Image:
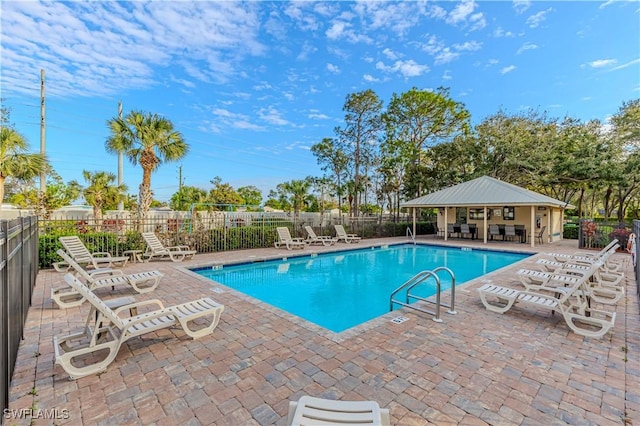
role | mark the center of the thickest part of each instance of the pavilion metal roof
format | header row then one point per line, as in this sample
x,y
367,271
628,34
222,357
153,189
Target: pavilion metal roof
x,y
484,191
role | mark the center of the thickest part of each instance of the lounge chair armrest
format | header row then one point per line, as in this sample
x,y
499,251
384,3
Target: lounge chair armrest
x,y
179,248
102,272
101,254
130,306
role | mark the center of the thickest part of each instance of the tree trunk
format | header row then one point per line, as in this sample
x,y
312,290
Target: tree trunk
x,y
2,180
580,199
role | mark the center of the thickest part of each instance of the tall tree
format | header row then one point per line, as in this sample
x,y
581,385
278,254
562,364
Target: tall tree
x,y
625,133
359,138
416,120
15,160
223,194
57,194
102,191
297,192
149,140
186,196
251,195
334,161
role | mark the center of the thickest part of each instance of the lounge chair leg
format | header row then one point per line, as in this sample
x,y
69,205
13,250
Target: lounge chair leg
x,y
203,308
66,359
506,298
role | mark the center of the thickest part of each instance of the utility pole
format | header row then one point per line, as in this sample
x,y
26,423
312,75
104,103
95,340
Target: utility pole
x,y
180,184
120,161
43,151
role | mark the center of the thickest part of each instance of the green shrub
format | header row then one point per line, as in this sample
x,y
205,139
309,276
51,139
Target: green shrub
x,y
570,231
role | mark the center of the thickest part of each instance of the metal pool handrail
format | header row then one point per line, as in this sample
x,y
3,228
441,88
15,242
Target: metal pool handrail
x,y
410,233
419,278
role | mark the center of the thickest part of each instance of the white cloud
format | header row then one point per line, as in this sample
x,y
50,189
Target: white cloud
x,y
601,63
369,78
499,32
407,68
461,12
525,47
105,48
477,22
308,49
316,115
447,75
628,64
333,69
343,30
298,13
608,3
535,20
508,69
272,116
521,6
262,86
390,54
445,56
337,30
468,46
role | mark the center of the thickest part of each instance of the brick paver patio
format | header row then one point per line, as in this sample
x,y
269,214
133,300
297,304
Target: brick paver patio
x,y
477,367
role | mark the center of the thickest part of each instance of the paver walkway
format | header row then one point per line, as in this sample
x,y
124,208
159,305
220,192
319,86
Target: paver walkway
x,y
477,367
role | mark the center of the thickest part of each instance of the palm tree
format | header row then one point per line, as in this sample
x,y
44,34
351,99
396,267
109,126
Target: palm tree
x,y
299,192
149,140
101,191
15,161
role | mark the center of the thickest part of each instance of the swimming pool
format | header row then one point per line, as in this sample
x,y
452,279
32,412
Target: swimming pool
x,y
341,290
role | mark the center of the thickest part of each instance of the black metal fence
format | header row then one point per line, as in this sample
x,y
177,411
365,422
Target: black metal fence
x,y
18,271
218,232
594,234
636,253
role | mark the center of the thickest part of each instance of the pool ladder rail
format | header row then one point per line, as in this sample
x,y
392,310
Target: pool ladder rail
x,y
410,233
419,278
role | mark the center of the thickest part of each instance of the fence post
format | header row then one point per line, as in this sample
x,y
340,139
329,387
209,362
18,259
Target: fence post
x,y
5,376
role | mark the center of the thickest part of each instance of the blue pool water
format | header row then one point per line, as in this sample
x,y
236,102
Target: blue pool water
x,y
338,291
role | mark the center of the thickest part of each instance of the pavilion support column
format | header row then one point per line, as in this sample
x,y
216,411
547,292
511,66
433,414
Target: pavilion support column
x,y
533,226
446,222
484,231
414,224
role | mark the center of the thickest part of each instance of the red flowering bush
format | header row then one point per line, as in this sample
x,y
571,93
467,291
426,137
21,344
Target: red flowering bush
x,y
622,235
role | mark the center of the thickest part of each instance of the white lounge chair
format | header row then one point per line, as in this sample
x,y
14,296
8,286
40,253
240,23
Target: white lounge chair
x,y
604,255
602,275
599,289
571,302
156,249
341,235
317,411
106,329
66,297
81,254
312,238
285,239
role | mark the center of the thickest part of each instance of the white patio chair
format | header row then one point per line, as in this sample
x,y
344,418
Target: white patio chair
x,y
285,239
309,410
341,235
106,329
81,254
156,249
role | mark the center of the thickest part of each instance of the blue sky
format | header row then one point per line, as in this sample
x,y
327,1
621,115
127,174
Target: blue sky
x,y
253,85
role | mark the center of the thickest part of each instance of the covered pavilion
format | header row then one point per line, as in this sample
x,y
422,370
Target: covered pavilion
x,y
486,201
